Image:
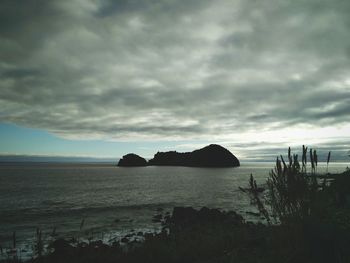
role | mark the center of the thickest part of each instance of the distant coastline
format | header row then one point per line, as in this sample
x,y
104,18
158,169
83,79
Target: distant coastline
x,y
53,159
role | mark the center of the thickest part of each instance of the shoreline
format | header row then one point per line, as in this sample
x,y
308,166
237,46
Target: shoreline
x,y
182,227
196,235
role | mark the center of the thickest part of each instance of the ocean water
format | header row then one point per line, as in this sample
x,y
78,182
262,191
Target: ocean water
x,y
114,200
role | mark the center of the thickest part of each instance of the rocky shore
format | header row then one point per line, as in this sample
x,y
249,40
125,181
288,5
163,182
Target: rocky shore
x,y
204,235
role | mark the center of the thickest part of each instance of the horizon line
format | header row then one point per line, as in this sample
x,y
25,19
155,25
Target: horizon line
x,y
36,157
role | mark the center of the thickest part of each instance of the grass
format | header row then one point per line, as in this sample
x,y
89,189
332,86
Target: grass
x,y
317,214
294,194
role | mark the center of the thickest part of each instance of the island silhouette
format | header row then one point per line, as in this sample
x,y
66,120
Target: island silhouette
x,y
132,159
212,155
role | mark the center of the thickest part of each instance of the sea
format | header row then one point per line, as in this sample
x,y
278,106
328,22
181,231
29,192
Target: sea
x,y
103,201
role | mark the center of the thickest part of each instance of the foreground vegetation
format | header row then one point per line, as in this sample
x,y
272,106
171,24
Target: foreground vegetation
x,y
307,219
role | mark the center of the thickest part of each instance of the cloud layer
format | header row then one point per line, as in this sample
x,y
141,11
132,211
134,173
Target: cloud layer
x,y
176,69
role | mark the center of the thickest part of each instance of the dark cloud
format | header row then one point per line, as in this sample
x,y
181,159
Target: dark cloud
x,y
175,69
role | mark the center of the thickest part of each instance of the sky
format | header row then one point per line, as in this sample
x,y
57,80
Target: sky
x,y
102,78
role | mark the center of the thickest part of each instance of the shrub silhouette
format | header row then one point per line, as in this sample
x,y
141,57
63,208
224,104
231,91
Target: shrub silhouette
x,y
291,190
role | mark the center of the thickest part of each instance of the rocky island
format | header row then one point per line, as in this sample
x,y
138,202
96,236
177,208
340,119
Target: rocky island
x,y
212,155
131,160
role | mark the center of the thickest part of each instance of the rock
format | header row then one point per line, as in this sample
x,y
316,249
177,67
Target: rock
x,y
185,216
116,244
82,244
124,240
210,156
148,236
212,215
253,213
134,244
60,245
182,216
131,160
96,244
157,218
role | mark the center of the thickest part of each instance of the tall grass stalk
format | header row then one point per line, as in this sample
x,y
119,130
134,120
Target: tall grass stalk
x,y
254,191
291,191
304,158
39,244
14,240
82,224
328,159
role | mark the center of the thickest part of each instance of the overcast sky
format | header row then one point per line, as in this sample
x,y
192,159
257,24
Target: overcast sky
x,y
255,76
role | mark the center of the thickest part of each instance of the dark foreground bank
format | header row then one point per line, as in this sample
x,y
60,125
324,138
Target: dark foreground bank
x,y
210,235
